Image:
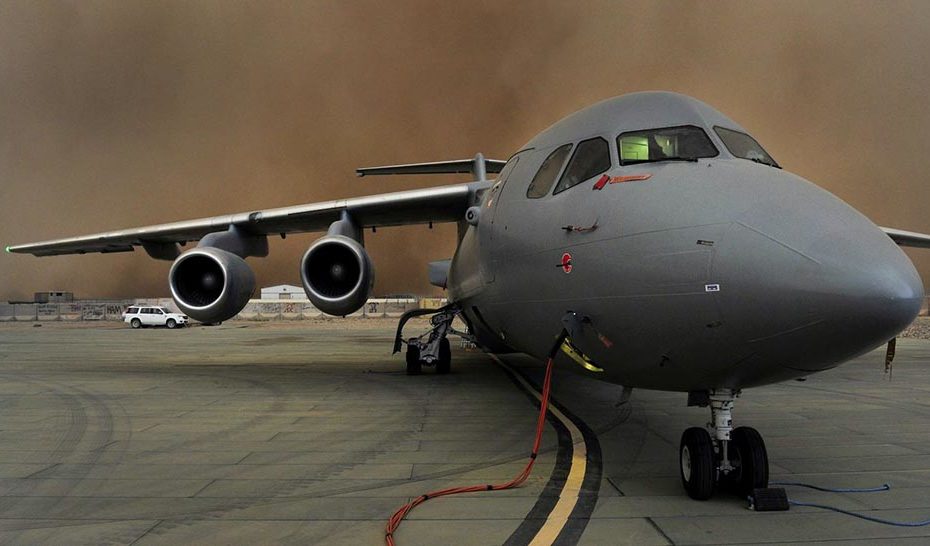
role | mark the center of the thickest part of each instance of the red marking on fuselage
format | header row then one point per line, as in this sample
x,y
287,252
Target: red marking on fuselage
x,y
567,262
629,178
601,182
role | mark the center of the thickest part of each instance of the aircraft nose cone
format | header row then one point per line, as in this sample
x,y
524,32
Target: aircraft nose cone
x,y
811,286
868,288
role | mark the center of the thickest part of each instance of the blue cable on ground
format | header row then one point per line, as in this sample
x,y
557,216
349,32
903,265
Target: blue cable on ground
x,y
885,487
862,516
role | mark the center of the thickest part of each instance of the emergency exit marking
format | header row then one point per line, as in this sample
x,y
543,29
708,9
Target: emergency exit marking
x,y
712,288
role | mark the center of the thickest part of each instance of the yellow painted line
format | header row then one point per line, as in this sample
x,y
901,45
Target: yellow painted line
x,y
568,497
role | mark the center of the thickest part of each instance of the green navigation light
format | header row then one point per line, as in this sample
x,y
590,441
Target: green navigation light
x,y
8,248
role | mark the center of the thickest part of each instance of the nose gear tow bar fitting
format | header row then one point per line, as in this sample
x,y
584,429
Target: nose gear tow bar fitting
x,y
402,512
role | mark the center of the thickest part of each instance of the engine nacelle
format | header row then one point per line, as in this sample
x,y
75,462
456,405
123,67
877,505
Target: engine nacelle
x,y
337,274
211,285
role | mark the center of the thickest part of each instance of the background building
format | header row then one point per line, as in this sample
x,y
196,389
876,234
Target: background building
x,y
283,292
54,297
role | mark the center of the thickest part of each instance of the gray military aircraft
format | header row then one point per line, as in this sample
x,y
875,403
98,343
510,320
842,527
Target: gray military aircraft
x,y
656,232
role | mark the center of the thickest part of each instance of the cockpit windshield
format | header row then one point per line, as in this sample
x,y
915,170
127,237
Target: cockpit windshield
x,y
684,143
744,146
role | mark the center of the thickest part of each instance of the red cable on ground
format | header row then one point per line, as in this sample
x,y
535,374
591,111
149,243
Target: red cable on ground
x,y
402,512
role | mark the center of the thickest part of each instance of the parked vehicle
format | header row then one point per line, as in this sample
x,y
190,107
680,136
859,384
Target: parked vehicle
x,y
139,315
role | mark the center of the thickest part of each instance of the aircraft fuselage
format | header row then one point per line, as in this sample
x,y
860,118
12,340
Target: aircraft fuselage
x,y
715,273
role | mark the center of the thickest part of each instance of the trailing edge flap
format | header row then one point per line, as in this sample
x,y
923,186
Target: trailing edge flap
x,y
477,166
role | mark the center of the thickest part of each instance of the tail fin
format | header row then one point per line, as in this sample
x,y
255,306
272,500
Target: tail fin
x,y
478,167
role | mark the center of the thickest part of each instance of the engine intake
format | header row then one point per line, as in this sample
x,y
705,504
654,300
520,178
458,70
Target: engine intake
x,y
211,285
337,274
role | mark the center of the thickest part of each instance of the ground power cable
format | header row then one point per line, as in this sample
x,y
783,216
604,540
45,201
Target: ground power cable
x,y
398,517
884,487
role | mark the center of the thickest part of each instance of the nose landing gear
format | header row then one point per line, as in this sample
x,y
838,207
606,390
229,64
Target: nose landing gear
x,y
733,459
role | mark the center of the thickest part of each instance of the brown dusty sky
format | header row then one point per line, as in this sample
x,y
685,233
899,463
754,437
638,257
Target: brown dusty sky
x,y
118,114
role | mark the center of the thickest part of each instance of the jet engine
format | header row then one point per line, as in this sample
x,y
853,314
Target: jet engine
x,y
337,274
210,284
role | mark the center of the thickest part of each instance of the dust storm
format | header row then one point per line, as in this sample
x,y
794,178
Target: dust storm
x,y
121,114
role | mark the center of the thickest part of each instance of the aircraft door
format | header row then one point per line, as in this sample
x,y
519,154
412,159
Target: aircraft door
x,y
499,196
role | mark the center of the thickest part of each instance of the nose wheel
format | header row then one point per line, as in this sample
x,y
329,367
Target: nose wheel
x,y
721,456
698,471
749,460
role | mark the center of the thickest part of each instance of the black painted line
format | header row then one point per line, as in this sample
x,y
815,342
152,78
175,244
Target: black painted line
x,y
587,497
590,485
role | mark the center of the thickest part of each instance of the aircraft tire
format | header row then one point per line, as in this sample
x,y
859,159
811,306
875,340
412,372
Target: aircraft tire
x,y
444,364
135,324
753,469
414,366
696,462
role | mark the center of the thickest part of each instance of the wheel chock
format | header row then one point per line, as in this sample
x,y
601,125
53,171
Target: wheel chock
x,y
769,499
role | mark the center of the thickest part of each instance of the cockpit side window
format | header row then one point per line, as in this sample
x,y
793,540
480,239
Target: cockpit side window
x,y
683,143
545,176
591,158
744,146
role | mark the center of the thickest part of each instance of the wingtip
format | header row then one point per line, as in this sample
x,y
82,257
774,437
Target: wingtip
x,y
9,249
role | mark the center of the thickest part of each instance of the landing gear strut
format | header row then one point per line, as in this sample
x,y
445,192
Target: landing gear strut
x,y
734,459
433,347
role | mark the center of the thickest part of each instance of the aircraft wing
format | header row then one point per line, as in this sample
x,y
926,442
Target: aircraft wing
x,y
437,204
459,166
908,238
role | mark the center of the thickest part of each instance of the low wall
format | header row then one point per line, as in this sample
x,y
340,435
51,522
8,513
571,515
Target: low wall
x,y
302,309
254,310
75,311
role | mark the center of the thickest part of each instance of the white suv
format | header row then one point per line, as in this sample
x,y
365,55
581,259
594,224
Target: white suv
x,y
138,316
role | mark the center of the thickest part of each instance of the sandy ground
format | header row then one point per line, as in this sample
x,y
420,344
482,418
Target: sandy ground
x,y
919,329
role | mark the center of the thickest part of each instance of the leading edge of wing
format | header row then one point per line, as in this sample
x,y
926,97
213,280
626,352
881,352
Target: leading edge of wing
x,y
908,238
437,204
